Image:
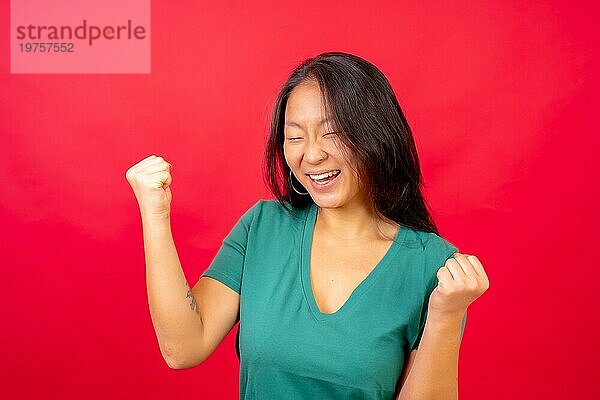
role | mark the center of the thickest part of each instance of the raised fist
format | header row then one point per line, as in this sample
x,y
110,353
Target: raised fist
x,y
150,180
461,281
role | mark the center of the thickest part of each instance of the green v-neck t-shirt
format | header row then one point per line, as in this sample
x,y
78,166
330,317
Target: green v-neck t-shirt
x,y
288,348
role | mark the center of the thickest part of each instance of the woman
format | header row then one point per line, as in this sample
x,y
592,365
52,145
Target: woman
x,y
342,285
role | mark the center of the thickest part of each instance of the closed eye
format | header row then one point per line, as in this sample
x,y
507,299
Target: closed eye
x,y
295,138
332,135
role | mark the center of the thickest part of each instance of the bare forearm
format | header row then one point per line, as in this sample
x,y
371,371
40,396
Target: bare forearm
x,y
434,374
173,309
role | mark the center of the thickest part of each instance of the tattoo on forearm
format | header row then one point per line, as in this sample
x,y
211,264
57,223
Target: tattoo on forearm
x,y
190,295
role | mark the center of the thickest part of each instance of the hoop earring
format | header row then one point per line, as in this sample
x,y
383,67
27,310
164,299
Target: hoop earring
x,y
292,185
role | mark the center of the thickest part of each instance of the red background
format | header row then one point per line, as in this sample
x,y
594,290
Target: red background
x,y
502,99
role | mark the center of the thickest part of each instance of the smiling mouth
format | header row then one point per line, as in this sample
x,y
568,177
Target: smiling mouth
x,y
323,179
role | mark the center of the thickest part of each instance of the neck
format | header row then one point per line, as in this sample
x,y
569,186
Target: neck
x,y
355,221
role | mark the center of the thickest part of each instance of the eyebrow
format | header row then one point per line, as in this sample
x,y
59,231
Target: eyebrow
x,y
293,123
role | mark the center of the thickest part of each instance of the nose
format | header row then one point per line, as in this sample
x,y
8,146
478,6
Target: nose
x,y
314,152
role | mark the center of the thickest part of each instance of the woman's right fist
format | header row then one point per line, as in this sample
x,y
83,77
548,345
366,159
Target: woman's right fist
x,y
150,180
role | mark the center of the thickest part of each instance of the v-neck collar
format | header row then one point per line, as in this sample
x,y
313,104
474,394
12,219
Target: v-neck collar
x,y
305,252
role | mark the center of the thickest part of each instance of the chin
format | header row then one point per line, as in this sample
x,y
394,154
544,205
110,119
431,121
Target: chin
x,y
328,201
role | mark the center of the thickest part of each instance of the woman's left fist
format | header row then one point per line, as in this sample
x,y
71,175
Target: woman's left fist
x,y
461,280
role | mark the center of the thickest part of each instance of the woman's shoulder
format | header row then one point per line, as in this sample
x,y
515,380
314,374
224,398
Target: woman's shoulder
x,y
427,251
429,244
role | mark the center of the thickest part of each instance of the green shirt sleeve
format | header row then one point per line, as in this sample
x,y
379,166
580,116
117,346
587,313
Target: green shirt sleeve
x,y
228,265
437,251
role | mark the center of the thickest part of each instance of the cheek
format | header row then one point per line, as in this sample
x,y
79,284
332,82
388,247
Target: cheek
x,y
286,154
292,155
353,179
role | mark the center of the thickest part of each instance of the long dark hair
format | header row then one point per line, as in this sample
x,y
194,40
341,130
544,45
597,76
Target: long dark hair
x,y
371,124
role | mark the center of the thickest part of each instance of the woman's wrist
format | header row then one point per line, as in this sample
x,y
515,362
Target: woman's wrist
x,y
446,320
156,220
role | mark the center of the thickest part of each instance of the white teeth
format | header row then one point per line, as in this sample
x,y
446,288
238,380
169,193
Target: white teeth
x,y
325,175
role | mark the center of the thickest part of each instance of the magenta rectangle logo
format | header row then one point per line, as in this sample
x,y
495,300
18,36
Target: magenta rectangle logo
x,y
80,36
